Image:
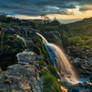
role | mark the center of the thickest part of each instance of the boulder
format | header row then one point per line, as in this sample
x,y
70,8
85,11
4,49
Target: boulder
x,y
22,77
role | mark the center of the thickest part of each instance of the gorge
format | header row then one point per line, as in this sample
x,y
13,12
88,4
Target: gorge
x,y
41,60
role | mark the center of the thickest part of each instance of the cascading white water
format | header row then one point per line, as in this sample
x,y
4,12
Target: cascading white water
x,y
61,61
18,36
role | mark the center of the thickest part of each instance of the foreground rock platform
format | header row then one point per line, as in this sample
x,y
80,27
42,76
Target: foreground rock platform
x,y
22,77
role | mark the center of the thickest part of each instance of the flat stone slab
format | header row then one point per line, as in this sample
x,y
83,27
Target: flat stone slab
x,y
26,57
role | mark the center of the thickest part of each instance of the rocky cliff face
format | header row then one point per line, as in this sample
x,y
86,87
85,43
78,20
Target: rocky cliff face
x,y
22,77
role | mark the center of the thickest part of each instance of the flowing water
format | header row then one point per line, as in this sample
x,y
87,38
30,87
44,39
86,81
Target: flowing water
x,y
23,39
61,61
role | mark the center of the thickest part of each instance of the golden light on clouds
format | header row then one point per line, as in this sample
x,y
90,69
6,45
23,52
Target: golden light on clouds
x,y
73,11
84,14
89,7
71,15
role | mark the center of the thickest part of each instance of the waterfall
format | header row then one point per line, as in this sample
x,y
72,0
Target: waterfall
x,y
18,36
61,61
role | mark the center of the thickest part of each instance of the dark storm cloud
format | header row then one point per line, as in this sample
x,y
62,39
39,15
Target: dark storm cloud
x,y
38,7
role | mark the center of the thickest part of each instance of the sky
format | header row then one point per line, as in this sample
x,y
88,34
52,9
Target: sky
x,y
63,10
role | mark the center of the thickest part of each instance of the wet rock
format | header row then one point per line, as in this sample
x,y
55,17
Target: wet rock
x,y
81,87
75,90
76,60
83,66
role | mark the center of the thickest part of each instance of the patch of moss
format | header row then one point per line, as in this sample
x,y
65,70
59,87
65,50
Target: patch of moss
x,y
50,82
53,70
42,64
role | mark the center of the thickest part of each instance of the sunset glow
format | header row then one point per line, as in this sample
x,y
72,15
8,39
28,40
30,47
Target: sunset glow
x,y
71,15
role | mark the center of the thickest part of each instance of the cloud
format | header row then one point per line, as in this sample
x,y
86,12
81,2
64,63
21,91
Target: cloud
x,y
73,11
68,8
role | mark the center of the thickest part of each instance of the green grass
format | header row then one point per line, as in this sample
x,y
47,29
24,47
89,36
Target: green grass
x,y
53,70
50,82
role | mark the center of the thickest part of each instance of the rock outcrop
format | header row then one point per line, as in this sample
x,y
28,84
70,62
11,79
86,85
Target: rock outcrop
x,y
22,77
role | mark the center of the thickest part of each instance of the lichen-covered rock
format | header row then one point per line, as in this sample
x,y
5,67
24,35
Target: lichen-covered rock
x,y
21,78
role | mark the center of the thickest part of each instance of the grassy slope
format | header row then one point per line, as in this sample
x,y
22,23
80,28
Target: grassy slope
x,y
80,34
